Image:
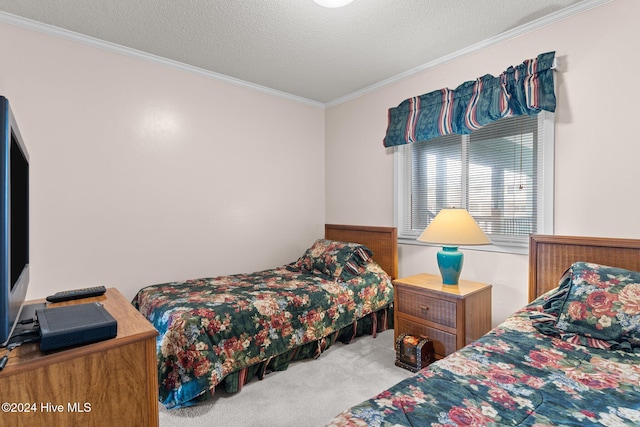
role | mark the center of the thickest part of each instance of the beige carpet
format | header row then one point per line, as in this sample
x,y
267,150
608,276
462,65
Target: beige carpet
x,y
310,393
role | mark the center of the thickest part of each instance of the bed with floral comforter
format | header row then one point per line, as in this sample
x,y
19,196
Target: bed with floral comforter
x,y
231,328
571,358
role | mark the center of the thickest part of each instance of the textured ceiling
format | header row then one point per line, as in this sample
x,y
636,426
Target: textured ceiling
x,y
295,46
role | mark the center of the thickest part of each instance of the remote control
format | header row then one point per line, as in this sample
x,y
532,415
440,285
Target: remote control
x,y
72,294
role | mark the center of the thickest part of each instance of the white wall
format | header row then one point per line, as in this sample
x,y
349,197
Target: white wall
x,y
596,186
137,177
143,173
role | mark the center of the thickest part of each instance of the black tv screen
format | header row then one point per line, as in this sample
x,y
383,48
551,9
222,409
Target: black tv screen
x,y
19,227
14,221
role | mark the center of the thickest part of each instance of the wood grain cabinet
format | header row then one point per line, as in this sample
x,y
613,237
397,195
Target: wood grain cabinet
x,y
451,316
108,383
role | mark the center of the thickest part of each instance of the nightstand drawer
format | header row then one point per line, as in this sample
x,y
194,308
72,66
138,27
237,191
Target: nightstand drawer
x,y
427,307
443,342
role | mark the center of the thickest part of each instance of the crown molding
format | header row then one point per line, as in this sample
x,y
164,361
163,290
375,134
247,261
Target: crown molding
x,y
112,47
500,38
116,48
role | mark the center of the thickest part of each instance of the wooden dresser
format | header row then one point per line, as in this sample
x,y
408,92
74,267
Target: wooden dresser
x,y
451,316
109,383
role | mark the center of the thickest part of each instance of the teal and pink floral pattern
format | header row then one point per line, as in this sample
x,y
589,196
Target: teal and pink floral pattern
x,y
213,327
602,302
340,260
514,375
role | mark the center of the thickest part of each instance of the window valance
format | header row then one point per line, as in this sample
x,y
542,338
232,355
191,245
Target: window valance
x,y
527,88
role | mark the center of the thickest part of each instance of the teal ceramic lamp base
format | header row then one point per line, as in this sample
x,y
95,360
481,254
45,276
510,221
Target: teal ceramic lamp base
x,y
450,263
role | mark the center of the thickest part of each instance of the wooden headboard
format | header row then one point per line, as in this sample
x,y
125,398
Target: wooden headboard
x,y
383,242
550,256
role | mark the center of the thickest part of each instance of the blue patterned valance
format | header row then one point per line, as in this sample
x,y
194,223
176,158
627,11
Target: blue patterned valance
x,y
527,88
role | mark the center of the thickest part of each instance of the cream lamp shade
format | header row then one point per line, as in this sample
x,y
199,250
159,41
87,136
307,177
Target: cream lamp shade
x,y
453,227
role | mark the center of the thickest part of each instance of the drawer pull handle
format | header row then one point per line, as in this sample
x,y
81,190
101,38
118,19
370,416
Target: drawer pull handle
x,y
424,308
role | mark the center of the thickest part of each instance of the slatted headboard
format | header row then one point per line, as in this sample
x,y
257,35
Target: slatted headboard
x,y
383,242
550,256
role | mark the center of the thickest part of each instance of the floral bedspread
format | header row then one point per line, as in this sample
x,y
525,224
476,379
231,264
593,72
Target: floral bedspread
x,y
512,376
212,327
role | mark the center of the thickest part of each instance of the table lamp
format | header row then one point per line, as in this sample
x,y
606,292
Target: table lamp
x,y
453,227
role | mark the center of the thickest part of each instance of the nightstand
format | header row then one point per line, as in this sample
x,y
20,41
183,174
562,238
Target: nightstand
x,y
451,316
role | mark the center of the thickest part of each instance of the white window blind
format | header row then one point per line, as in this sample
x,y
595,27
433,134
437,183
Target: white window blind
x,y
502,174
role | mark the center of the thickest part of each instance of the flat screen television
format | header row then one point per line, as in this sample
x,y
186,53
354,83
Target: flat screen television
x,y
14,221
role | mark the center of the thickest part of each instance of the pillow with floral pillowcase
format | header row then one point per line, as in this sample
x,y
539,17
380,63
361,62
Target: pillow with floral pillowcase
x,y
339,260
601,303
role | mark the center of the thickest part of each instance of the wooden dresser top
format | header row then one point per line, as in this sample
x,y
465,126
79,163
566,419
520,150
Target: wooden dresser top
x,y
132,326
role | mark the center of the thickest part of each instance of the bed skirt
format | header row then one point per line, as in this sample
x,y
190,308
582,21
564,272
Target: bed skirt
x,y
371,324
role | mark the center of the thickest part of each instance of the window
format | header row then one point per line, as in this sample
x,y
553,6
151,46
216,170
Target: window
x,y
502,174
